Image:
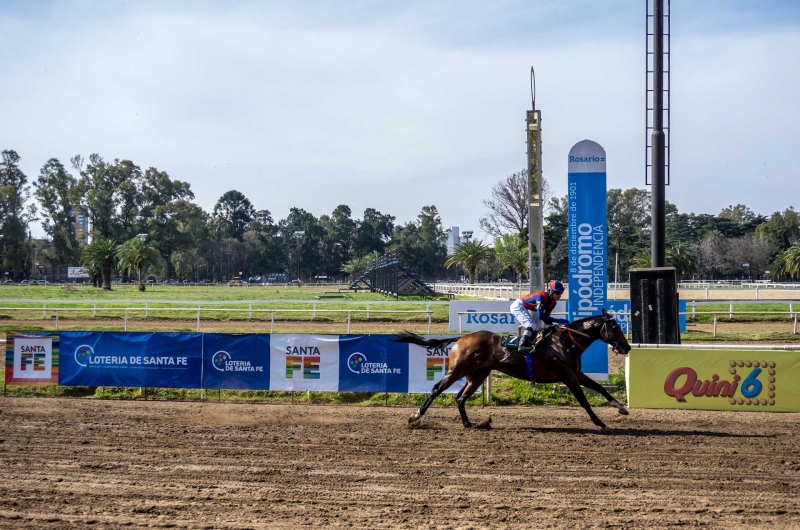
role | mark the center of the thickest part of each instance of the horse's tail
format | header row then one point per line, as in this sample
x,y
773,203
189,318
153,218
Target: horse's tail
x,y
413,338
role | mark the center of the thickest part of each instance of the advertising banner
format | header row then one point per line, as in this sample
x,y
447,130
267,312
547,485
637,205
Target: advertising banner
x,y
427,366
372,364
621,309
304,362
77,272
162,360
714,379
31,358
239,362
588,244
480,315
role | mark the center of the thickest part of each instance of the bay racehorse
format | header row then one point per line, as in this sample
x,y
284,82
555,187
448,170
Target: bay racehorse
x,y
557,360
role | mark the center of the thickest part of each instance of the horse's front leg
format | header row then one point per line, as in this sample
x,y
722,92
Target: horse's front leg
x,y
588,382
575,387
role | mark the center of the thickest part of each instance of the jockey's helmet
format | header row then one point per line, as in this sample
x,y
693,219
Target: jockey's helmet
x,y
556,287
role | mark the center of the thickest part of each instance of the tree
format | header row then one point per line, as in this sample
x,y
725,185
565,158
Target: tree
x,y
469,255
373,232
136,254
508,205
511,251
103,254
791,259
682,257
14,215
59,198
357,265
235,211
422,243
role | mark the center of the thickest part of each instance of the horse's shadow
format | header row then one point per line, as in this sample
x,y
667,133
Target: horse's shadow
x,y
635,432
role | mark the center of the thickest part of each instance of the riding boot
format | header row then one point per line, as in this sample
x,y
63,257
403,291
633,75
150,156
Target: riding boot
x,y
526,341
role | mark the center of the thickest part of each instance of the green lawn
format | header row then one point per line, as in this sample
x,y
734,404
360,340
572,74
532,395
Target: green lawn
x,y
178,302
780,312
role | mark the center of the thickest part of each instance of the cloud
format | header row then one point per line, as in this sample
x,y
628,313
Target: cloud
x,y
376,109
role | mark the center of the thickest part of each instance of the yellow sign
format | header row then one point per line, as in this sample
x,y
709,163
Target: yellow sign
x,y
754,380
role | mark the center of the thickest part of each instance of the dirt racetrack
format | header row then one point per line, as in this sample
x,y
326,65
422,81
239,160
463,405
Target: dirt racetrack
x,y
70,463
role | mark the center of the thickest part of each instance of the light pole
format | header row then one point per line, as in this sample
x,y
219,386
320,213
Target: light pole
x,y
466,235
298,235
616,266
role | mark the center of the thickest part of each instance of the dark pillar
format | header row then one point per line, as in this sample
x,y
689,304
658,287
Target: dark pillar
x,y
658,215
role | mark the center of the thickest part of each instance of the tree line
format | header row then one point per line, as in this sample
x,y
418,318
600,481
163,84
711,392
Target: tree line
x,y
144,222
125,203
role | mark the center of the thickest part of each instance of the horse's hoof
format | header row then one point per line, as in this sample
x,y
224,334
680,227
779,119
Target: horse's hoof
x,y
623,411
468,425
604,428
413,419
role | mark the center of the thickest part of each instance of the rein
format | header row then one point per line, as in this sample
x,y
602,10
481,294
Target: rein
x,y
570,331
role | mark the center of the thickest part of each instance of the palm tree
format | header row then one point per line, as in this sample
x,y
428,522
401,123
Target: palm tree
x,y
356,266
511,251
101,253
682,257
469,255
791,259
94,273
642,260
136,254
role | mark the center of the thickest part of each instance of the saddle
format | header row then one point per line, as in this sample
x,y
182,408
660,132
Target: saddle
x,y
511,342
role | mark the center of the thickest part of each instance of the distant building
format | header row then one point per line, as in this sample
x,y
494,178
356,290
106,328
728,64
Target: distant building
x,y
453,239
81,224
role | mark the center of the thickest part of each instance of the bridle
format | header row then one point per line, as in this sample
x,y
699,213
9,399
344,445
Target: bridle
x,y
615,347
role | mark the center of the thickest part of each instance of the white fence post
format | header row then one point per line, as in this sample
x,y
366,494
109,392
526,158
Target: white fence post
x,y
94,310
429,322
794,330
126,320
715,324
198,318
44,310
250,305
459,322
272,321
56,319
314,316
756,292
731,311
706,293
367,311
348,322
145,310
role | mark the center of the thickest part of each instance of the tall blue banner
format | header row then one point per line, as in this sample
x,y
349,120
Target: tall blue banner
x,y
162,360
588,245
239,362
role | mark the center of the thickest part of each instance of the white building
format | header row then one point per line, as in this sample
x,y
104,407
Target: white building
x,y
453,239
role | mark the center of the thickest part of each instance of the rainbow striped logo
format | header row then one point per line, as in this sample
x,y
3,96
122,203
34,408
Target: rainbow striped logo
x,y
435,366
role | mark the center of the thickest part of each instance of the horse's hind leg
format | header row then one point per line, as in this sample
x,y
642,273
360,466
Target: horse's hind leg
x,y
443,384
588,382
474,380
575,387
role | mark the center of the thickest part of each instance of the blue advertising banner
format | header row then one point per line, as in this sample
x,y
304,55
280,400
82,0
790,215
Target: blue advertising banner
x,y
588,246
164,360
372,364
239,362
621,309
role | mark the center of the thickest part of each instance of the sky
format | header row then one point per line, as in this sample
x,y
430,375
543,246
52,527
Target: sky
x,y
399,105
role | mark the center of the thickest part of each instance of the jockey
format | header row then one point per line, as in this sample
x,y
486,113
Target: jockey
x,y
544,302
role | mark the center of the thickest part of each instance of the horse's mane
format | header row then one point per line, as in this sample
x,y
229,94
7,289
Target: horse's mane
x,y
584,320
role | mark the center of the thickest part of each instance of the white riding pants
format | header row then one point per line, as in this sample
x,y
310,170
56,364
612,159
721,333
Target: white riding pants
x,y
523,316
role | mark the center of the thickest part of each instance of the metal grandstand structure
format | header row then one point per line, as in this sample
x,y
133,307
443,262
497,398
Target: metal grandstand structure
x,y
391,276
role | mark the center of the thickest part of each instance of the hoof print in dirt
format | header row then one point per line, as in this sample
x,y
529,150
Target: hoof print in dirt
x,y
485,424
